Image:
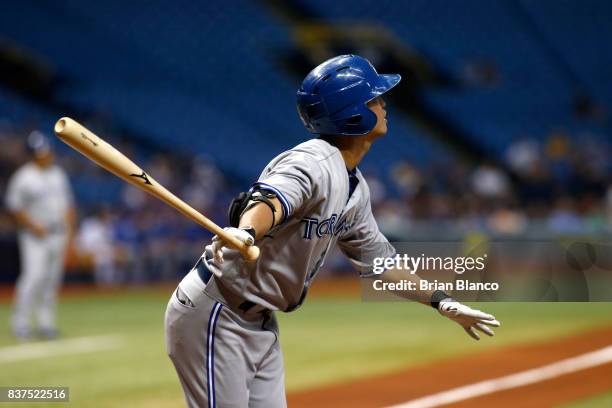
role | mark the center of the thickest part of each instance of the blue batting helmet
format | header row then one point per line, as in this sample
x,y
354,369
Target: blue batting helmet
x,y
333,96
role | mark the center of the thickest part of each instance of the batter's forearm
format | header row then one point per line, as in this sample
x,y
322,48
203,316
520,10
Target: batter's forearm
x,y
261,217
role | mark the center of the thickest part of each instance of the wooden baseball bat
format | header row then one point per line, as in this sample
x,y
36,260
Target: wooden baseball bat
x,y
87,143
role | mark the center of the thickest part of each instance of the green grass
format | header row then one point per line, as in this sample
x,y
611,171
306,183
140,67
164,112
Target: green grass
x,y
138,372
352,340
325,341
598,401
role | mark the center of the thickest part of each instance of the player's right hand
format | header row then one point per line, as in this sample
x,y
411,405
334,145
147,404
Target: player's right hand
x,y
218,243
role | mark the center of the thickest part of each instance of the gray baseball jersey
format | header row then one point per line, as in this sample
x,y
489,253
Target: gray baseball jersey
x,y
323,204
313,186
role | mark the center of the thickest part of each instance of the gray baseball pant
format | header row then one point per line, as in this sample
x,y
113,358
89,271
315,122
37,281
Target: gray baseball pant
x,y
224,357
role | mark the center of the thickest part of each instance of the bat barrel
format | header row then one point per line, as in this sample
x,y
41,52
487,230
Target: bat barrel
x,y
105,155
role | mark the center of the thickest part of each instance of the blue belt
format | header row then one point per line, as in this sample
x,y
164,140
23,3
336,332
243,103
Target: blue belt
x,y
203,271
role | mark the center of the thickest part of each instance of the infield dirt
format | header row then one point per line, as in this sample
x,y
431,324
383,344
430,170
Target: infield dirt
x,y
405,385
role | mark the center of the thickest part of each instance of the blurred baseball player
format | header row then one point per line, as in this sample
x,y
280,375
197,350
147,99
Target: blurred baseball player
x,y
221,332
40,199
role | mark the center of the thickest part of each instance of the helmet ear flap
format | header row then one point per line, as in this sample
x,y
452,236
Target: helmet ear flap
x,y
356,120
369,119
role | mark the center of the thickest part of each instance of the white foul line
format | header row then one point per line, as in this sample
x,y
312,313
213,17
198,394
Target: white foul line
x,y
31,351
581,362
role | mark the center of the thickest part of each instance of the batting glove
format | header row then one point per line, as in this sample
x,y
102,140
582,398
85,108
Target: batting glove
x,y
470,319
218,243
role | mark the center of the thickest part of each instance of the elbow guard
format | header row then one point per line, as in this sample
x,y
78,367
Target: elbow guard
x,y
246,200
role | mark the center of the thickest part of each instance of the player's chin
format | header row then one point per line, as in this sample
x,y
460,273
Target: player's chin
x,y
383,128
380,130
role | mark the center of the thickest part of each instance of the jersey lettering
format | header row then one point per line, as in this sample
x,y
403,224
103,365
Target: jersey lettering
x,y
310,222
327,226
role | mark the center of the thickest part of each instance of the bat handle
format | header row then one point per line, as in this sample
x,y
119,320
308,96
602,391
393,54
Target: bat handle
x,y
248,252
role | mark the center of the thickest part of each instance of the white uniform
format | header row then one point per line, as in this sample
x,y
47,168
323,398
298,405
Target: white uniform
x,y
44,194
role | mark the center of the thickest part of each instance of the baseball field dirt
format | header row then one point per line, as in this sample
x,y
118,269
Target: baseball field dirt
x,y
415,383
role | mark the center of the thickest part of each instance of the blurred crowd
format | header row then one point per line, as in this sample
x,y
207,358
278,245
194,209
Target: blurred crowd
x,y
558,184
561,184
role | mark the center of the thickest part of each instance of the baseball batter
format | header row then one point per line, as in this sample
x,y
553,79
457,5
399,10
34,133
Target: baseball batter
x,y
40,199
221,332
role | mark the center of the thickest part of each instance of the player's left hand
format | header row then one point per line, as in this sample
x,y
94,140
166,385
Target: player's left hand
x,y
470,319
218,243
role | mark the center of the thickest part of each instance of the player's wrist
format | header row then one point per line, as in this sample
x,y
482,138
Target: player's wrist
x,y
250,230
438,297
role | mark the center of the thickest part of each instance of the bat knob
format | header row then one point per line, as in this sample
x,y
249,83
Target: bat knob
x,y
251,253
60,125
